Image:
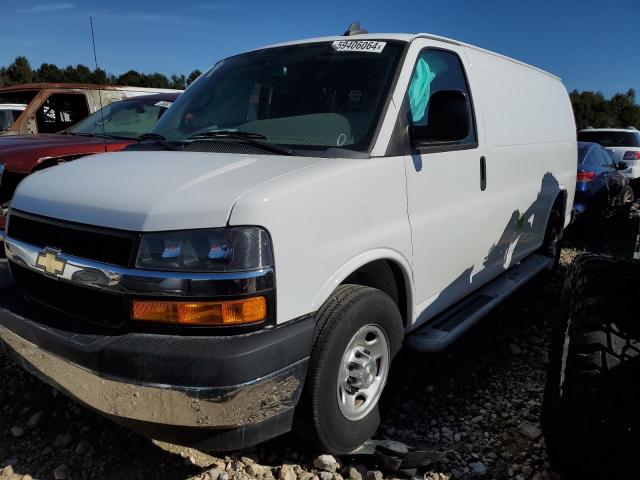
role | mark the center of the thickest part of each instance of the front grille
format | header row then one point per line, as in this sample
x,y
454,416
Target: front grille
x,y
105,245
93,306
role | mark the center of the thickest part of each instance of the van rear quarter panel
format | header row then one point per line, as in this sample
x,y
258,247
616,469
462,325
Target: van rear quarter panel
x,y
325,221
530,137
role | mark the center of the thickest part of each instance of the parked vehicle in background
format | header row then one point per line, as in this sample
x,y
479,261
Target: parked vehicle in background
x,y
108,130
601,188
298,211
623,143
9,113
52,107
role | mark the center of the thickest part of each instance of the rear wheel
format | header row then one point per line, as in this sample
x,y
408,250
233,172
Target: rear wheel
x,y
358,332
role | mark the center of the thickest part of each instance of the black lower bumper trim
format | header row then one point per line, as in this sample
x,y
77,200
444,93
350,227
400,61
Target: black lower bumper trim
x,y
146,358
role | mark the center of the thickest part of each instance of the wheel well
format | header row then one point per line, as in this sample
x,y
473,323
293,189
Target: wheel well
x,y
386,276
560,204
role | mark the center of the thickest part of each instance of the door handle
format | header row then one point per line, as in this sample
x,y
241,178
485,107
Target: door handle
x,y
483,174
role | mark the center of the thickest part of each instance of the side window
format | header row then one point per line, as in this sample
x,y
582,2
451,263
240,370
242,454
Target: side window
x,y
591,162
610,160
603,158
435,71
60,111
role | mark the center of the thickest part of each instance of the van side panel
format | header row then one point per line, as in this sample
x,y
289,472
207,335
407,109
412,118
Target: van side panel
x,y
531,150
521,105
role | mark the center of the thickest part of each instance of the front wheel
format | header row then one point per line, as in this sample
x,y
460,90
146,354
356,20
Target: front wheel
x,y
358,332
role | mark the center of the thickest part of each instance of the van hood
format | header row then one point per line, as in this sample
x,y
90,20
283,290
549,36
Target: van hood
x,y
150,191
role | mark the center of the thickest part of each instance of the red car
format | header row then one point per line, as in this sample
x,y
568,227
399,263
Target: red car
x,y
108,130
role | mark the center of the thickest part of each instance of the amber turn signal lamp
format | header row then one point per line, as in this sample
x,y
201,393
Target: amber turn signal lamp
x,y
233,312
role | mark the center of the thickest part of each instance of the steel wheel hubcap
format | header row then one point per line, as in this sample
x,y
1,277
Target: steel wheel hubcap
x,y
363,372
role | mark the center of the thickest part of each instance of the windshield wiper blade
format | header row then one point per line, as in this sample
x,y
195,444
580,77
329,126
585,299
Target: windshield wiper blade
x,y
228,134
248,137
157,139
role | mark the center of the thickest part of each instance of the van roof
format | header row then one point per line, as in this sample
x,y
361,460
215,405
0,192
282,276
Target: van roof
x,y
409,37
82,86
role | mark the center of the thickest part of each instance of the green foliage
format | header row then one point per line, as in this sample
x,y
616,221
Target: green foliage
x,y
20,71
592,109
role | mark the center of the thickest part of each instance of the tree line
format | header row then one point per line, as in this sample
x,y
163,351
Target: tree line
x,y
590,108
593,109
20,71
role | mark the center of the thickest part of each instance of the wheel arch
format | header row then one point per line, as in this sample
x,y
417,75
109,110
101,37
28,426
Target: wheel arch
x,y
383,269
560,205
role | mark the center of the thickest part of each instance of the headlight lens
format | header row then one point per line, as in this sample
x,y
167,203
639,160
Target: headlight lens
x,y
231,249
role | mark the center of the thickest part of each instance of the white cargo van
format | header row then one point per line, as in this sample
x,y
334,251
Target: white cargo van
x,y
301,212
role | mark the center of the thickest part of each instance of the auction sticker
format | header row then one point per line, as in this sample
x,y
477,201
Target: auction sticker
x,y
358,46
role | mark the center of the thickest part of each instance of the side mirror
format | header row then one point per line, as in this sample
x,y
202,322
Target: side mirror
x,y
448,119
621,166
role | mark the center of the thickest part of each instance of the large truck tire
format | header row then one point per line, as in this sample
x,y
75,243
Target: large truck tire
x,y
590,413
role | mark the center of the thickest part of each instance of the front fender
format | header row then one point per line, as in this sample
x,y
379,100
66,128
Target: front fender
x,y
325,221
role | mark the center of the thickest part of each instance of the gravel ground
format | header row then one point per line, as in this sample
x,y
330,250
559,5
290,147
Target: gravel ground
x,y
479,403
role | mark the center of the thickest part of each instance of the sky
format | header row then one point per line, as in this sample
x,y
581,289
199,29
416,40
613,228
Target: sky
x,y
590,44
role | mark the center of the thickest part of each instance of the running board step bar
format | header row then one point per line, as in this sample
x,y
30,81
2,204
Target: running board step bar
x,y
439,332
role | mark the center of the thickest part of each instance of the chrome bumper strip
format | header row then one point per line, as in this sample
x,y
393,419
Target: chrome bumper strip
x,y
225,407
115,279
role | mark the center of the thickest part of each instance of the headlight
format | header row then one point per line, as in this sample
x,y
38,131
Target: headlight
x,y
230,249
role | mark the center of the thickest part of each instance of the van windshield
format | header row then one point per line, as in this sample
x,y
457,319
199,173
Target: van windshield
x,y
312,96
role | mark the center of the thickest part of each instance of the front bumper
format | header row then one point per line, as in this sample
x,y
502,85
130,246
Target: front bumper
x,y
242,388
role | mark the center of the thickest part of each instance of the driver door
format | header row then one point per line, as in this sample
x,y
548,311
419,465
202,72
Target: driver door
x,y
455,236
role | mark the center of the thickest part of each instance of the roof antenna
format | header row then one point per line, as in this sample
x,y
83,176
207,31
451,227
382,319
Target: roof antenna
x,y
354,29
95,59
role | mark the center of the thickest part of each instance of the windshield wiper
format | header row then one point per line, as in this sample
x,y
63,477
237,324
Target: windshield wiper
x,y
248,137
157,139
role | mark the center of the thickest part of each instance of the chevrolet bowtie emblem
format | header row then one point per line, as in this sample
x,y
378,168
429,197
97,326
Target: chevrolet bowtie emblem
x,y
50,263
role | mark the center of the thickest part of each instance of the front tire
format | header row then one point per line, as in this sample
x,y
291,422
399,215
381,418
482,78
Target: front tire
x,y
358,332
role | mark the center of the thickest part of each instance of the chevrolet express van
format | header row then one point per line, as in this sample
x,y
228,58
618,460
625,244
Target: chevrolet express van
x,y
300,213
